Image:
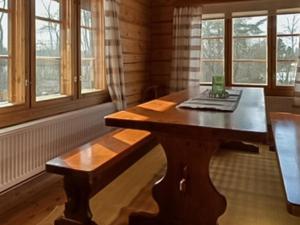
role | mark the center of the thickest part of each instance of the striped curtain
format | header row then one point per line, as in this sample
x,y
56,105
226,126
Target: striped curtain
x,y
113,54
297,83
186,48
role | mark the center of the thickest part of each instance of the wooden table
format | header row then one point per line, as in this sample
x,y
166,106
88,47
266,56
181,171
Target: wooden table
x,y
186,194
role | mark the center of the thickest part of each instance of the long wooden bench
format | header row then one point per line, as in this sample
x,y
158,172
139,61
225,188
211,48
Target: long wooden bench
x,y
89,168
286,131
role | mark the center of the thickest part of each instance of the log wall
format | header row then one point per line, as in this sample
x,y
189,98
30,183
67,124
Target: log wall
x,y
135,26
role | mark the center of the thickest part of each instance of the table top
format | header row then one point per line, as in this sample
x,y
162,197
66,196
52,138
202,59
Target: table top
x,y
247,123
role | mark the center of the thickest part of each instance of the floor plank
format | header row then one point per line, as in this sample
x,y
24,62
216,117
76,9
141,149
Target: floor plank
x,y
251,183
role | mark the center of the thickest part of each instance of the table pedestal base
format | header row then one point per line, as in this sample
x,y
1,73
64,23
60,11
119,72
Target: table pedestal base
x,y
186,195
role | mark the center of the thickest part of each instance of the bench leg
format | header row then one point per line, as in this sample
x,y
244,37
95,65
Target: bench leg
x,y
77,208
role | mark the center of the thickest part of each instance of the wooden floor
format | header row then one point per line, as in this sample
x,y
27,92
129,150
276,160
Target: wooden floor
x,y
31,202
251,183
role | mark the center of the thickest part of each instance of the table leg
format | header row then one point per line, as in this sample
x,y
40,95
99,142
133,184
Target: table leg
x,y
186,195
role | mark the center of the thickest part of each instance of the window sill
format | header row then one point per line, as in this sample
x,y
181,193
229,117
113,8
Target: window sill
x,y
16,114
50,97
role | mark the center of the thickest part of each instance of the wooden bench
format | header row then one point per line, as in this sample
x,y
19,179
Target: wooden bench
x,y
286,131
89,168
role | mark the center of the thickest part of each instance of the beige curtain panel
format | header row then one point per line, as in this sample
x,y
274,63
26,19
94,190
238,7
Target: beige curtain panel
x,y
113,54
297,82
187,23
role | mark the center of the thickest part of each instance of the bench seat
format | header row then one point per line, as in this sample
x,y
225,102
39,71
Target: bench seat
x,y
89,168
286,131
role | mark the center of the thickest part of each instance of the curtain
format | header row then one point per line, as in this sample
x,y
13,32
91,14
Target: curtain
x,y
297,83
113,54
186,48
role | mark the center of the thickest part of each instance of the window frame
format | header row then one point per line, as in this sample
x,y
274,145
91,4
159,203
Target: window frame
x,y
223,38
100,29
8,57
264,61
8,109
32,109
271,89
276,44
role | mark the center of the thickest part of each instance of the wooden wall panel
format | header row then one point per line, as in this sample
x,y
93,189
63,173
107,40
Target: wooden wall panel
x,y
161,33
135,26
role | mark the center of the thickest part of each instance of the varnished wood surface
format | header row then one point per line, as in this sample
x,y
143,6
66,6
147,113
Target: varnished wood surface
x,y
186,194
257,177
246,123
89,168
286,131
96,154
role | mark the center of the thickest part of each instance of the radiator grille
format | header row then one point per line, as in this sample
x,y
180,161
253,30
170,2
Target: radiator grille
x,y
24,149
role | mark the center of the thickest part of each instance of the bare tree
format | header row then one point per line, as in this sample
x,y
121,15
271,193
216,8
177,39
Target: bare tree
x,y
288,51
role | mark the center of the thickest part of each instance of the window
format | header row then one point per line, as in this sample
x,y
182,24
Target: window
x,y
12,60
288,35
51,60
249,47
212,49
252,48
92,45
52,79
4,52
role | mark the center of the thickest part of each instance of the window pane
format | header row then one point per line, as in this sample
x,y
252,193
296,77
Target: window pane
x,y
209,69
213,28
48,9
47,77
249,73
12,60
47,38
3,81
86,43
86,18
48,54
3,33
4,4
288,27
212,49
286,73
54,61
288,24
250,26
287,48
250,53
87,72
92,46
250,48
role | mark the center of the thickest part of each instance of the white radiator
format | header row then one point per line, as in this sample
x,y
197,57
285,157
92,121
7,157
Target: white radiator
x,y
25,148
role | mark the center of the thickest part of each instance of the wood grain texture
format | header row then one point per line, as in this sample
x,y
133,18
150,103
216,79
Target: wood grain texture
x,y
91,167
186,194
135,26
248,120
286,132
